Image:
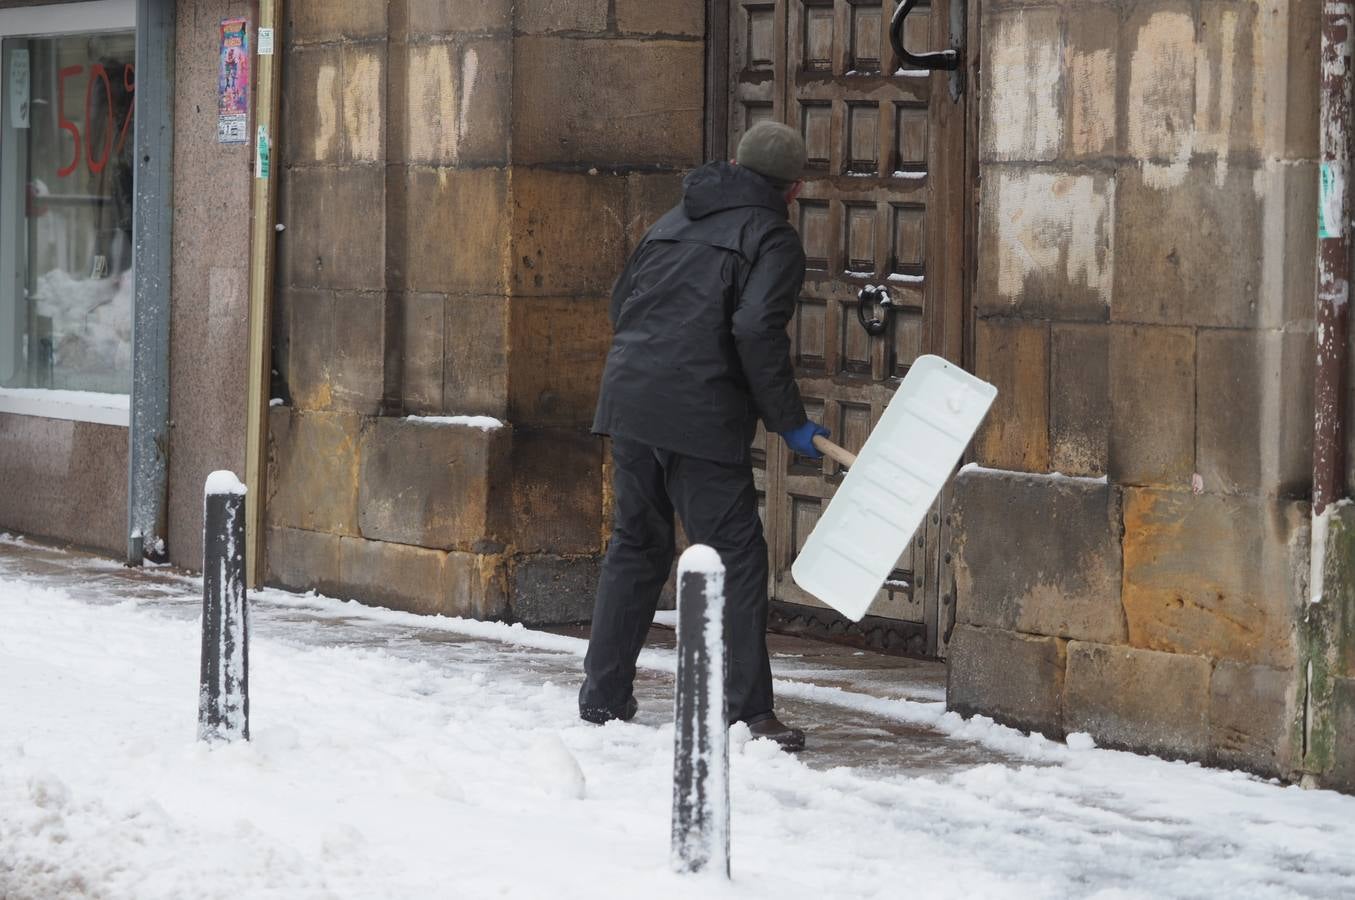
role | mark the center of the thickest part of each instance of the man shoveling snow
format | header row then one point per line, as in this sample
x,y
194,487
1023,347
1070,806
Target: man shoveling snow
x,y
700,354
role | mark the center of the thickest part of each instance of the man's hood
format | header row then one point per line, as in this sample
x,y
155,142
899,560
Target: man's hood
x,y
718,186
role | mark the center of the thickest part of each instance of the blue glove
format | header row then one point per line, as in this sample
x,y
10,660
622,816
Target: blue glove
x,y
801,439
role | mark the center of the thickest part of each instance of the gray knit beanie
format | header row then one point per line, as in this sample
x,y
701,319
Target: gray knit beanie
x,y
774,151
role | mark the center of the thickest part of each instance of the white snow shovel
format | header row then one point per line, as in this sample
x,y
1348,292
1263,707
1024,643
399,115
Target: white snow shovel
x,y
890,484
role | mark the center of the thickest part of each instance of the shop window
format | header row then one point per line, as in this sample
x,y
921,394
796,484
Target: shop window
x,y
66,198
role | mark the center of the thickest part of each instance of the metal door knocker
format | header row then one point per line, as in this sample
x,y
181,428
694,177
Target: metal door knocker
x,y
946,60
869,296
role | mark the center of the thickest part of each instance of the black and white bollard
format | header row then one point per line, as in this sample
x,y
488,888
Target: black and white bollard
x,y
223,699
701,735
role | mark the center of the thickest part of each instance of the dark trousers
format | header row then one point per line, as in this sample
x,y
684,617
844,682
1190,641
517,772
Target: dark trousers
x,y
718,506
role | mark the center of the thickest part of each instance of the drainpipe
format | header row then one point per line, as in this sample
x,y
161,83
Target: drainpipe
x,y
152,233
1333,274
1329,370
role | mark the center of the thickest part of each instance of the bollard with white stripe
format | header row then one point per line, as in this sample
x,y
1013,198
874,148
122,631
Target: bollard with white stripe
x,y
701,734
223,698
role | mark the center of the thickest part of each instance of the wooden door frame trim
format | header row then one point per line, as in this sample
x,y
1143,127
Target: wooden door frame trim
x,y
717,78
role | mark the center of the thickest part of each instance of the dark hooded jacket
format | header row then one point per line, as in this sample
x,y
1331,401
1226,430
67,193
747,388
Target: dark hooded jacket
x,y
699,315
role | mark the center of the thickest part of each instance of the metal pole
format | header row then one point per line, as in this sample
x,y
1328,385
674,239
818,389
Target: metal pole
x,y
1333,263
1333,276
701,734
152,233
223,699
262,244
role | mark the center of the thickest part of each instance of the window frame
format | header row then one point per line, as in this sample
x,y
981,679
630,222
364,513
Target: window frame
x,y
48,21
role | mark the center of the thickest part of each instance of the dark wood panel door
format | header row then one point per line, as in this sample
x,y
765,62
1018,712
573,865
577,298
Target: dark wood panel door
x,y
883,204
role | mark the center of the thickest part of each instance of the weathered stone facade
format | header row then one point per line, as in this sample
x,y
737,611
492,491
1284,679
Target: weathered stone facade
x,y
462,182
1144,303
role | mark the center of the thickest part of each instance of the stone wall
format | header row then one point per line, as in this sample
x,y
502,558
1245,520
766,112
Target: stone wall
x,y
461,184
209,285
64,481
1144,305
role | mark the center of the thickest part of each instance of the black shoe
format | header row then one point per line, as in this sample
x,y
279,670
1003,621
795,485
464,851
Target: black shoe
x,y
599,716
792,740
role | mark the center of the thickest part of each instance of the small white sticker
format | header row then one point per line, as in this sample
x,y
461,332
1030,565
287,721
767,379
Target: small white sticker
x,y
265,42
263,150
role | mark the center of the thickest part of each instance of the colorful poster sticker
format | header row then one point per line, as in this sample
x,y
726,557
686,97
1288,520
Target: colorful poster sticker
x,y
232,83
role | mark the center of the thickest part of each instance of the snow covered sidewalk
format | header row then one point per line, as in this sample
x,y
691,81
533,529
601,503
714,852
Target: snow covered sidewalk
x,y
403,757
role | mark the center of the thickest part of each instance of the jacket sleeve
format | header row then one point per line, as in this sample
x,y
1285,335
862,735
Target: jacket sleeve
x,y
764,310
625,284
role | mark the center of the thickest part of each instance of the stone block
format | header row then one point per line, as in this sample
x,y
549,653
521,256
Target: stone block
x,y
1255,411
476,586
313,470
302,561
455,102
1048,240
437,18
65,480
674,17
553,590
475,361
364,96
1293,80
1055,573
1021,112
1012,678
1139,700
424,319
1014,356
1341,772
336,350
456,222
1335,615
568,232
1288,194
1214,575
559,349
312,98
1229,119
395,576
1152,405
1091,70
1188,246
1254,719
1257,66
433,78
569,94
485,102
95,495
1157,53
314,22
335,235
544,16
1079,399
557,492
432,484
648,197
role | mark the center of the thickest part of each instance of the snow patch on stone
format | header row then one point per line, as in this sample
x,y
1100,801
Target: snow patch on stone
x,y
484,423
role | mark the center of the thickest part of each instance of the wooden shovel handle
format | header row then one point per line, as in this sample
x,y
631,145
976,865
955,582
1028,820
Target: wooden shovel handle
x,y
834,452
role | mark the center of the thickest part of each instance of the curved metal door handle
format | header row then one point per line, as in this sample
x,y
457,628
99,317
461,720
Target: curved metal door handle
x,y
948,60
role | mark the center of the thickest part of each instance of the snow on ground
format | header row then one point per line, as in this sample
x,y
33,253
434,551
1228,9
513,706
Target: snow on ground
x,y
376,773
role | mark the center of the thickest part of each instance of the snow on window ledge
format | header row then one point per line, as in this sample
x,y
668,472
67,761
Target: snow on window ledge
x,y
76,406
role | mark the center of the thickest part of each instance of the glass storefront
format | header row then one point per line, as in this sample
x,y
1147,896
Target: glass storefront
x,y
67,103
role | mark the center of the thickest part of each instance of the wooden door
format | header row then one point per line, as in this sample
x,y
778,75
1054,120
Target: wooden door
x,y
883,204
